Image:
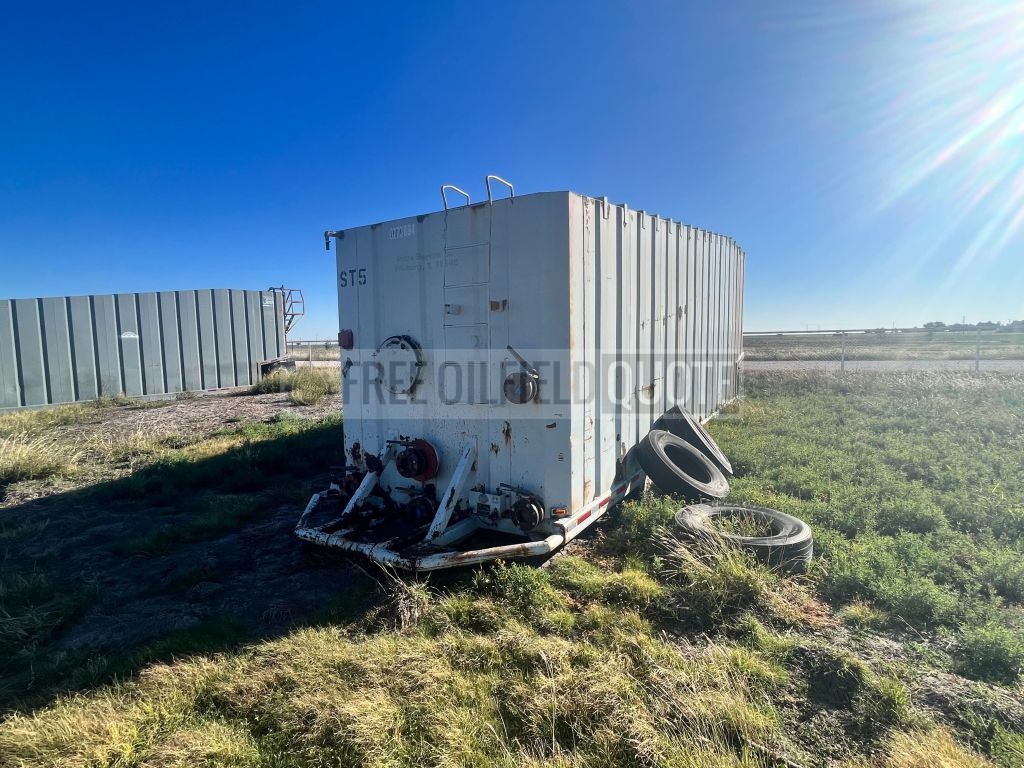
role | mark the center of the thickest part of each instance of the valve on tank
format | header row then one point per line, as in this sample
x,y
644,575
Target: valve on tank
x,y
527,513
420,510
417,460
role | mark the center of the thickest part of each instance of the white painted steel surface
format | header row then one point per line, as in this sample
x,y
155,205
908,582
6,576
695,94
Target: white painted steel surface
x,y
623,313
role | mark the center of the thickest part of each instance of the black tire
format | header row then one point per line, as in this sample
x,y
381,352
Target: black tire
x,y
675,466
790,546
685,425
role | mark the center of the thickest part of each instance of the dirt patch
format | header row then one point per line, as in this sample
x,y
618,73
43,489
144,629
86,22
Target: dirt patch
x,y
201,415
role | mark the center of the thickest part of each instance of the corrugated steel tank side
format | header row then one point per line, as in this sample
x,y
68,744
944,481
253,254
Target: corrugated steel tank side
x,y
645,293
76,348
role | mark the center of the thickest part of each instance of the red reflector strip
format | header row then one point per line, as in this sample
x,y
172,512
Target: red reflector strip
x,y
604,501
585,516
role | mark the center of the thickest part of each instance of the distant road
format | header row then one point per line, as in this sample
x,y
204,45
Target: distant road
x,y
1012,366
882,365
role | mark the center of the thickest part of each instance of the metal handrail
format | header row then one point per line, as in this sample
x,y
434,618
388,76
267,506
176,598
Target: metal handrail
x,y
487,181
453,188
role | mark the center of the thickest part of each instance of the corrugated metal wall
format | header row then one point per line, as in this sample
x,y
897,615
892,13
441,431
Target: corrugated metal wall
x,y
665,291
59,350
654,293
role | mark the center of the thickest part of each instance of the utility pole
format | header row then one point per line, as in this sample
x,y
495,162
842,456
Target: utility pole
x,y
977,353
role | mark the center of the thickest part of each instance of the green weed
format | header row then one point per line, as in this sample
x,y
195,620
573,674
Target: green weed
x,y
862,615
909,480
991,652
306,386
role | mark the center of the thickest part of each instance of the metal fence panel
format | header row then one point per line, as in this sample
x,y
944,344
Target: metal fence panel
x,y
29,338
240,348
269,325
131,353
170,340
254,328
222,334
57,350
188,325
83,348
207,339
66,349
108,358
9,390
149,344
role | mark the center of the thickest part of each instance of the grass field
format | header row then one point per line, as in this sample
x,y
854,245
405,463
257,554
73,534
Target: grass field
x,y
314,351
901,647
923,345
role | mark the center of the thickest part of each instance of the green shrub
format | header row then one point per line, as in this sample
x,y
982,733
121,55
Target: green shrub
x,y
629,586
523,588
919,601
863,615
635,525
915,515
277,381
835,676
891,574
883,703
305,386
1004,571
991,652
312,385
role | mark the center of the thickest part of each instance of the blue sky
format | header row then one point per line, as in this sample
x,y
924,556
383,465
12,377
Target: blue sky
x,y
869,156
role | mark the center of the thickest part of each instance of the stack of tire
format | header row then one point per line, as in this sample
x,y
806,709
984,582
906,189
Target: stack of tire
x,y
681,458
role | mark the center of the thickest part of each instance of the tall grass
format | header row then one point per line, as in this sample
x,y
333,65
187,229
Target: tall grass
x,y
24,456
305,386
933,749
39,420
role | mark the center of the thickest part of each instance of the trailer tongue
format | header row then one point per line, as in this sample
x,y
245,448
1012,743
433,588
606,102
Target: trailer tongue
x,y
393,538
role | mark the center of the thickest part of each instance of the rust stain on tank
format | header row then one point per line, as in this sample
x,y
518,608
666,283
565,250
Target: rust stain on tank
x,y
495,448
506,432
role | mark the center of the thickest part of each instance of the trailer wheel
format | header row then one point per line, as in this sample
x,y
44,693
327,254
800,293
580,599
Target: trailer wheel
x,y
675,466
681,423
789,546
